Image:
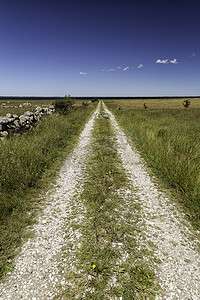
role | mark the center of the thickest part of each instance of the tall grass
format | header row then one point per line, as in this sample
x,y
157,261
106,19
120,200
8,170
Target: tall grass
x,y
27,162
169,140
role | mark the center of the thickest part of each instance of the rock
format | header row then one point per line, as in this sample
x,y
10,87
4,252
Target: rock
x,y
3,125
22,120
25,121
9,115
27,104
3,134
10,120
16,123
28,113
28,126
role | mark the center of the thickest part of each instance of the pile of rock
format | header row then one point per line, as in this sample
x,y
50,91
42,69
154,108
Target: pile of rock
x,y
14,123
27,104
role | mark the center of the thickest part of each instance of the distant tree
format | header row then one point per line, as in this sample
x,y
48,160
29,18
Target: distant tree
x,y
186,103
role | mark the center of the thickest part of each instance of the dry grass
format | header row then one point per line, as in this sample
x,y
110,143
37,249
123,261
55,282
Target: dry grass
x,y
153,104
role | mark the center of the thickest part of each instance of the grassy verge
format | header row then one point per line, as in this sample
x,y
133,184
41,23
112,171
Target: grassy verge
x,y
108,261
168,137
28,163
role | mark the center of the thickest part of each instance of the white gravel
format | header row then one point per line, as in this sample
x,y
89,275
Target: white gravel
x,y
176,248
37,274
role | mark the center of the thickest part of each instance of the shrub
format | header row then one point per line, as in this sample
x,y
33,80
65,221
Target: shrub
x,y
145,106
95,100
62,106
186,103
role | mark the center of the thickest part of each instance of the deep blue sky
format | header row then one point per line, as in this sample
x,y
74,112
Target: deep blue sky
x,y
99,48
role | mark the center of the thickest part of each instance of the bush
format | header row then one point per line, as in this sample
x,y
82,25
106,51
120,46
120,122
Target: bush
x,y
95,100
145,106
62,106
186,103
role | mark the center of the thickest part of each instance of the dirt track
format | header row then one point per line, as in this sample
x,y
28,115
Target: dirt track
x,y
36,274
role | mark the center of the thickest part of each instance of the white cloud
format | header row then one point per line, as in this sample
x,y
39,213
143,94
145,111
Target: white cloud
x,y
162,61
119,67
193,54
140,66
126,68
108,70
82,73
173,61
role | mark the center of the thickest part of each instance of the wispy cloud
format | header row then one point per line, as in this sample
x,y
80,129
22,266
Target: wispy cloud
x,y
174,61
193,55
108,70
82,73
119,68
126,68
140,66
162,61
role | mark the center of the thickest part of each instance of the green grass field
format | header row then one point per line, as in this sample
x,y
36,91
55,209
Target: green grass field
x,y
168,137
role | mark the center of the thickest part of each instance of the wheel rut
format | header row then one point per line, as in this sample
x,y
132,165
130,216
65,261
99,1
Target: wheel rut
x,y
39,271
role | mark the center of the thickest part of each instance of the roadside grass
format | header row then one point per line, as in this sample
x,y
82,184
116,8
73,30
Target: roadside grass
x,y
28,164
108,263
168,137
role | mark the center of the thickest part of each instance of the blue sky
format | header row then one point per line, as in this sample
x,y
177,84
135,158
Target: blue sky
x,y
99,48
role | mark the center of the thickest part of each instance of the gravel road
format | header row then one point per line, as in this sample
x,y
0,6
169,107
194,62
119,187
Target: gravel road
x,y
37,274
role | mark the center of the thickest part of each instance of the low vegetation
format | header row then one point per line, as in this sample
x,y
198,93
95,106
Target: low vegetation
x,y
63,106
28,162
168,137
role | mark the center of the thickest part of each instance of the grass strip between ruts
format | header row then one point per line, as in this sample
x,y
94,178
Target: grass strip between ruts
x,y
109,264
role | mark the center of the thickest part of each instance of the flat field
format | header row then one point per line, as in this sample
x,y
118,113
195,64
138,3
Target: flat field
x,y
168,136
12,106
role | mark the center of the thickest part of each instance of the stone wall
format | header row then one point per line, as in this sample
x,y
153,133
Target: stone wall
x,y
13,123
